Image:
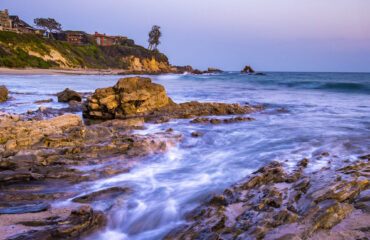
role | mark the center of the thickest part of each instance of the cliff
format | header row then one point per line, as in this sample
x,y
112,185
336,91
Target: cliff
x,y
30,50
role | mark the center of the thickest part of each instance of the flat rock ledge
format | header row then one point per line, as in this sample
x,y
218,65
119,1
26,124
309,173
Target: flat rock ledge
x,y
139,97
59,224
40,161
274,203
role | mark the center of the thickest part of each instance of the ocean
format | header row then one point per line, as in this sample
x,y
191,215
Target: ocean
x,y
305,115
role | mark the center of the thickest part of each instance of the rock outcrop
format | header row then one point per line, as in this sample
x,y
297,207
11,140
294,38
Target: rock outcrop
x,y
182,69
210,70
69,95
3,93
214,70
145,66
130,97
139,97
248,69
274,203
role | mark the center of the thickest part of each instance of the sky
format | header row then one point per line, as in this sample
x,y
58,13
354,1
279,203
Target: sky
x,y
269,35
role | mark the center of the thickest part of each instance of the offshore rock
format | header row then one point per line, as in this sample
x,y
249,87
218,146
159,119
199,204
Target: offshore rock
x,y
214,70
68,95
248,69
3,93
139,97
271,204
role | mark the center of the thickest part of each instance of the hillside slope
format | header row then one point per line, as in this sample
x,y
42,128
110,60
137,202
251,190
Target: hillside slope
x,y
29,50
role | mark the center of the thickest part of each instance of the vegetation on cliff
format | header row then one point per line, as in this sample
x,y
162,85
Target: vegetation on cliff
x,y
31,50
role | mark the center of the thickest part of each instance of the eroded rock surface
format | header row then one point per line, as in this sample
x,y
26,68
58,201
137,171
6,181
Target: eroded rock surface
x,y
41,159
32,151
137,96
79,222
274,203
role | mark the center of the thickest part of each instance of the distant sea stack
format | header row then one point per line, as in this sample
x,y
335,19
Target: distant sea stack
x,y
249,70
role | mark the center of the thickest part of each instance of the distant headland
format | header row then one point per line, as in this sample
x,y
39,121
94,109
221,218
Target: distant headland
x,y
47,49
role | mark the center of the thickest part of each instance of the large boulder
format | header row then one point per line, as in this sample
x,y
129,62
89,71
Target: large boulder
x,y
68,95
139,97
3,93
130,97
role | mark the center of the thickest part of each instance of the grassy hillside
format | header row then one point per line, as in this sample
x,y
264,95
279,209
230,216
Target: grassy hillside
x,y
29,50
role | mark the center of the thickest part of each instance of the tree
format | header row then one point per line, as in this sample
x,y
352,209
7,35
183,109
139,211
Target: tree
x,y
154,36
48,24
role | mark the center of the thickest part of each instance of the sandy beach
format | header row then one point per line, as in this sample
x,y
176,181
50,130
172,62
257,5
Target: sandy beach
x,y
38,71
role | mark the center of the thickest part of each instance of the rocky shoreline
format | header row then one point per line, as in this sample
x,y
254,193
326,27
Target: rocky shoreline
x,y
41,159
44,155
277,203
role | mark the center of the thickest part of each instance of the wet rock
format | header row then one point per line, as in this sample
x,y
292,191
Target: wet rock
x,y
3,93
28,208
8,177
44,101
215,121
200,120
238,119
196,134
80,222
365,157
218,121
68,95
105,194
273,203
304,162
330,213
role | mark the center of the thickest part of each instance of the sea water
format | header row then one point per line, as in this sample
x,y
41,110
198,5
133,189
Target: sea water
x,y
306,114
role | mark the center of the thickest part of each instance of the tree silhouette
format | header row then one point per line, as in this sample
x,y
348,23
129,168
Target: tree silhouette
x,y
48,24
154,36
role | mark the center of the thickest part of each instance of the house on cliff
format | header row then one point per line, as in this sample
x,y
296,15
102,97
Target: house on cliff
x,y
106,41
5,21
14,23
21,26
72,37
